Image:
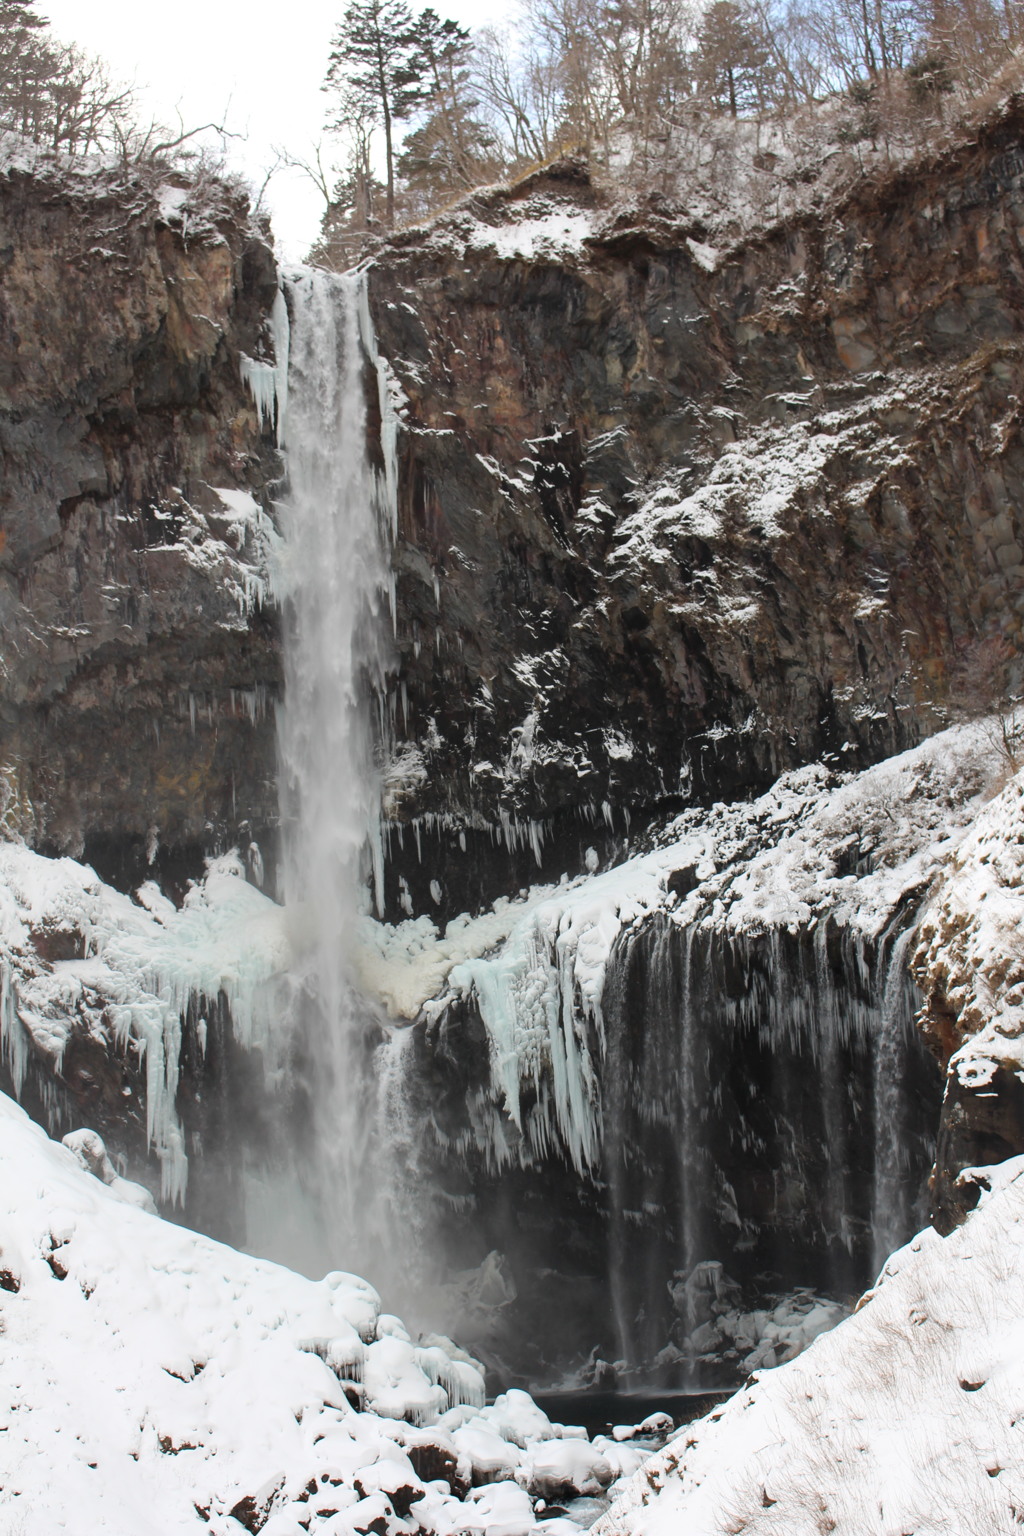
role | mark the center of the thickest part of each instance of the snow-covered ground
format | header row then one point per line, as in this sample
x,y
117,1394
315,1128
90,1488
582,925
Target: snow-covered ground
x,y
154,1381
907,1418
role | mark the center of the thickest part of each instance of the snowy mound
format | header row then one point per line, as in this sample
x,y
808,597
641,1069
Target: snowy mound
x,y
905,1418
152,1380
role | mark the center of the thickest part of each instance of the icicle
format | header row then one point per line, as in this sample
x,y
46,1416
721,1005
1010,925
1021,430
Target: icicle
x,y
268,382
13,1036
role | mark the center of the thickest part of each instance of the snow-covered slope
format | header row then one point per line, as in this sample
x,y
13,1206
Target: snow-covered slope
x,y
971,948
154,1381
907,1418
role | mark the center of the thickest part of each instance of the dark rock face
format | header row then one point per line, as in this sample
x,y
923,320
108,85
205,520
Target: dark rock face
x,y
978,1126
137,665
666,531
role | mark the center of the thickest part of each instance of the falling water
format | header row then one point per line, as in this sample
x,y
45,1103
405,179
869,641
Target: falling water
x,y
765,1104
892,1203
334,585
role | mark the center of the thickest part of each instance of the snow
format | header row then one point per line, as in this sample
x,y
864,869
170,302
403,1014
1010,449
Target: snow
x,y
154,1380
171,201
235,545
707,257
542,227
972,940
552,236
536,967
906,1417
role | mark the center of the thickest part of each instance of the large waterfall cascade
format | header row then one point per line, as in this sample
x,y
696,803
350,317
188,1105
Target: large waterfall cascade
x,y
336,592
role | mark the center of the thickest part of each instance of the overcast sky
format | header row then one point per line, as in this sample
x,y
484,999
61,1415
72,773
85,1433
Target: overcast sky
x,y
266,60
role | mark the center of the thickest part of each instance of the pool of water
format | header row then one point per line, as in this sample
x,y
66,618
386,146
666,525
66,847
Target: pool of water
x,y
600,1410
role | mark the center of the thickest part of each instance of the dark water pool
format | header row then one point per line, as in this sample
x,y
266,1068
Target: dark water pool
x,y
598,1411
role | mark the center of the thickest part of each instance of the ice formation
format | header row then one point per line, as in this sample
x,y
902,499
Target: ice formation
x,y
138,966
855,848
267,382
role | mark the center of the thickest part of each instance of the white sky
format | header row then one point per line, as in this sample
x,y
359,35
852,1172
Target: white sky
x,y
267,60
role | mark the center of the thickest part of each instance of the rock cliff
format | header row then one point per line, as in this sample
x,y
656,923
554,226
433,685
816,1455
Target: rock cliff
x,y
137,656
675,518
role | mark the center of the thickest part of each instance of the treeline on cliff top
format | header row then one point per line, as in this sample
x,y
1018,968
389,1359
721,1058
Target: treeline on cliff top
x,y
658,94
57,97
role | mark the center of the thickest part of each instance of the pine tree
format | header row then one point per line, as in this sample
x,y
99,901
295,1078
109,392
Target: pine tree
x,y
375,61
451,149
732,60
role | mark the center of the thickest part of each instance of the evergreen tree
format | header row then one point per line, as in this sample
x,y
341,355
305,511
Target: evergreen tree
x,y
732,62
376,62
451,149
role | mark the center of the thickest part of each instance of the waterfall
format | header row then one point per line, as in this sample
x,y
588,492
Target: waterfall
x,y
335,586
760,1109
892,1214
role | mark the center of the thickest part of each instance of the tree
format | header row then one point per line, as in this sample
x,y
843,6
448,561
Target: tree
x,y
376,68
51,93
732,60
451,150
518,87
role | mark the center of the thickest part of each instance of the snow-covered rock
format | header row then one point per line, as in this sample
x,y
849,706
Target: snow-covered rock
x,y
969,963
820,842
77,955
971,948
